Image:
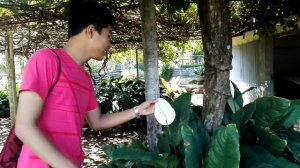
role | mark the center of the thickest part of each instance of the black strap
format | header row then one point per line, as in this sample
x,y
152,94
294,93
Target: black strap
x,y
59,69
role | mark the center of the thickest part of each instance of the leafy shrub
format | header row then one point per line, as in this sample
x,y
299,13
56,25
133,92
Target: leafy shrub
x,y
200,70
4,105
171,89
259,134
192,70
167,71
115,94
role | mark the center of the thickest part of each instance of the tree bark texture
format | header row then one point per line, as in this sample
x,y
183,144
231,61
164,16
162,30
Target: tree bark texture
x,y
214,18
149,37
10,64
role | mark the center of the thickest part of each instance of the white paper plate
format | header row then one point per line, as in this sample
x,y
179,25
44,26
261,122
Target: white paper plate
x,y
164,112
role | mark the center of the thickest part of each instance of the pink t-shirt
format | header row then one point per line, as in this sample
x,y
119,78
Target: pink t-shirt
x,y
62,117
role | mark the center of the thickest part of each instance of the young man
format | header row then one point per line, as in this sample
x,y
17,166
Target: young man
x,y
50,123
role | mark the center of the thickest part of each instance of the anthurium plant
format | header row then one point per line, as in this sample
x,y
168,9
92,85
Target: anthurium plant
x,y
259,134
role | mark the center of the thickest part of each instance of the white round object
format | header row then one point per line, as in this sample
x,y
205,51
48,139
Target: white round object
x,y
164,112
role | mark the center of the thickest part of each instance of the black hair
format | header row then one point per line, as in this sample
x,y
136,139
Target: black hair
x,y
83,13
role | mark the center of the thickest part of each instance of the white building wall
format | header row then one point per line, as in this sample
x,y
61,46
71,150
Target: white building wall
x,y
253,65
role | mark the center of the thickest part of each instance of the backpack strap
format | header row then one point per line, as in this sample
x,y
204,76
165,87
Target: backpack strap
x,y
59,70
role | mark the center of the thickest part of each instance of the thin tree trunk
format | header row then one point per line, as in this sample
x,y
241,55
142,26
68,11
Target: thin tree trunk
x,y
137,64
214,18
12,93
151,66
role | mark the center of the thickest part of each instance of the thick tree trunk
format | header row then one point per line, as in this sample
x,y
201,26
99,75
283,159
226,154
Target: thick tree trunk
x,y
214,18
12,93
151,66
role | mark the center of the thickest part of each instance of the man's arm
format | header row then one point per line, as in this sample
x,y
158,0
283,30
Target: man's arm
x,y
98,121
29,109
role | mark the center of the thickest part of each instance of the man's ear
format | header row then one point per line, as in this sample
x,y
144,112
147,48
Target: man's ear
x,y
90,30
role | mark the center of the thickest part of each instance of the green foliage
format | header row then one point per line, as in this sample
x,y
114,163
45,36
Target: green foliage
x,y
197,69
224,148
265,15
267,137
178,145
169,51
167,71
171,89
4,105
126,55
250,137
116,94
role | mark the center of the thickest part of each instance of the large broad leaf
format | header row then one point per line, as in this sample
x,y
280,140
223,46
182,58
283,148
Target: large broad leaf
x,y
270,110
237,96
257,156
182,107
196,124
169,161
291,117
224,151
192,147
293,138
138,155
244,114
163,144
134,154
233,104
270,141
283,163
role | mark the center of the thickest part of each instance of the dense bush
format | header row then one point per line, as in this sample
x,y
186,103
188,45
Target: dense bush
x,y
116,94
258,135
167,71
4,105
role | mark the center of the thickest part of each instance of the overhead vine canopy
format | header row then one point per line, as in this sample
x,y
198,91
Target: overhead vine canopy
x,y
43,23
38,23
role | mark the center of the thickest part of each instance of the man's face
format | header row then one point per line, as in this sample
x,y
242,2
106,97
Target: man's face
x,y
101,43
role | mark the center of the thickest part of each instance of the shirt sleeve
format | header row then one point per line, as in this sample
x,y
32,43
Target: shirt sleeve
x,y
93,103
40,73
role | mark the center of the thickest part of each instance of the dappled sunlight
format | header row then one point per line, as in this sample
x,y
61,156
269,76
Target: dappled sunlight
x,y
260,90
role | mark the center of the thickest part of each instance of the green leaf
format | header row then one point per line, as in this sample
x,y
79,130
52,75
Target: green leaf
x,y
293,138
127,153
192,147
291,117
244,114
138,155
283,163
108,149
196,124
270,110
224,151
183,110
270,141
256,156
173,161
163,144
238,97
234,106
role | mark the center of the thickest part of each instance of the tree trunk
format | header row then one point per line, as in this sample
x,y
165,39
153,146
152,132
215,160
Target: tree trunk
x,y
137,64
214,18
151,66
12,93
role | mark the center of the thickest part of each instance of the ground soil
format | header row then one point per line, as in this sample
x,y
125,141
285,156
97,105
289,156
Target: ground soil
x,y
92,141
